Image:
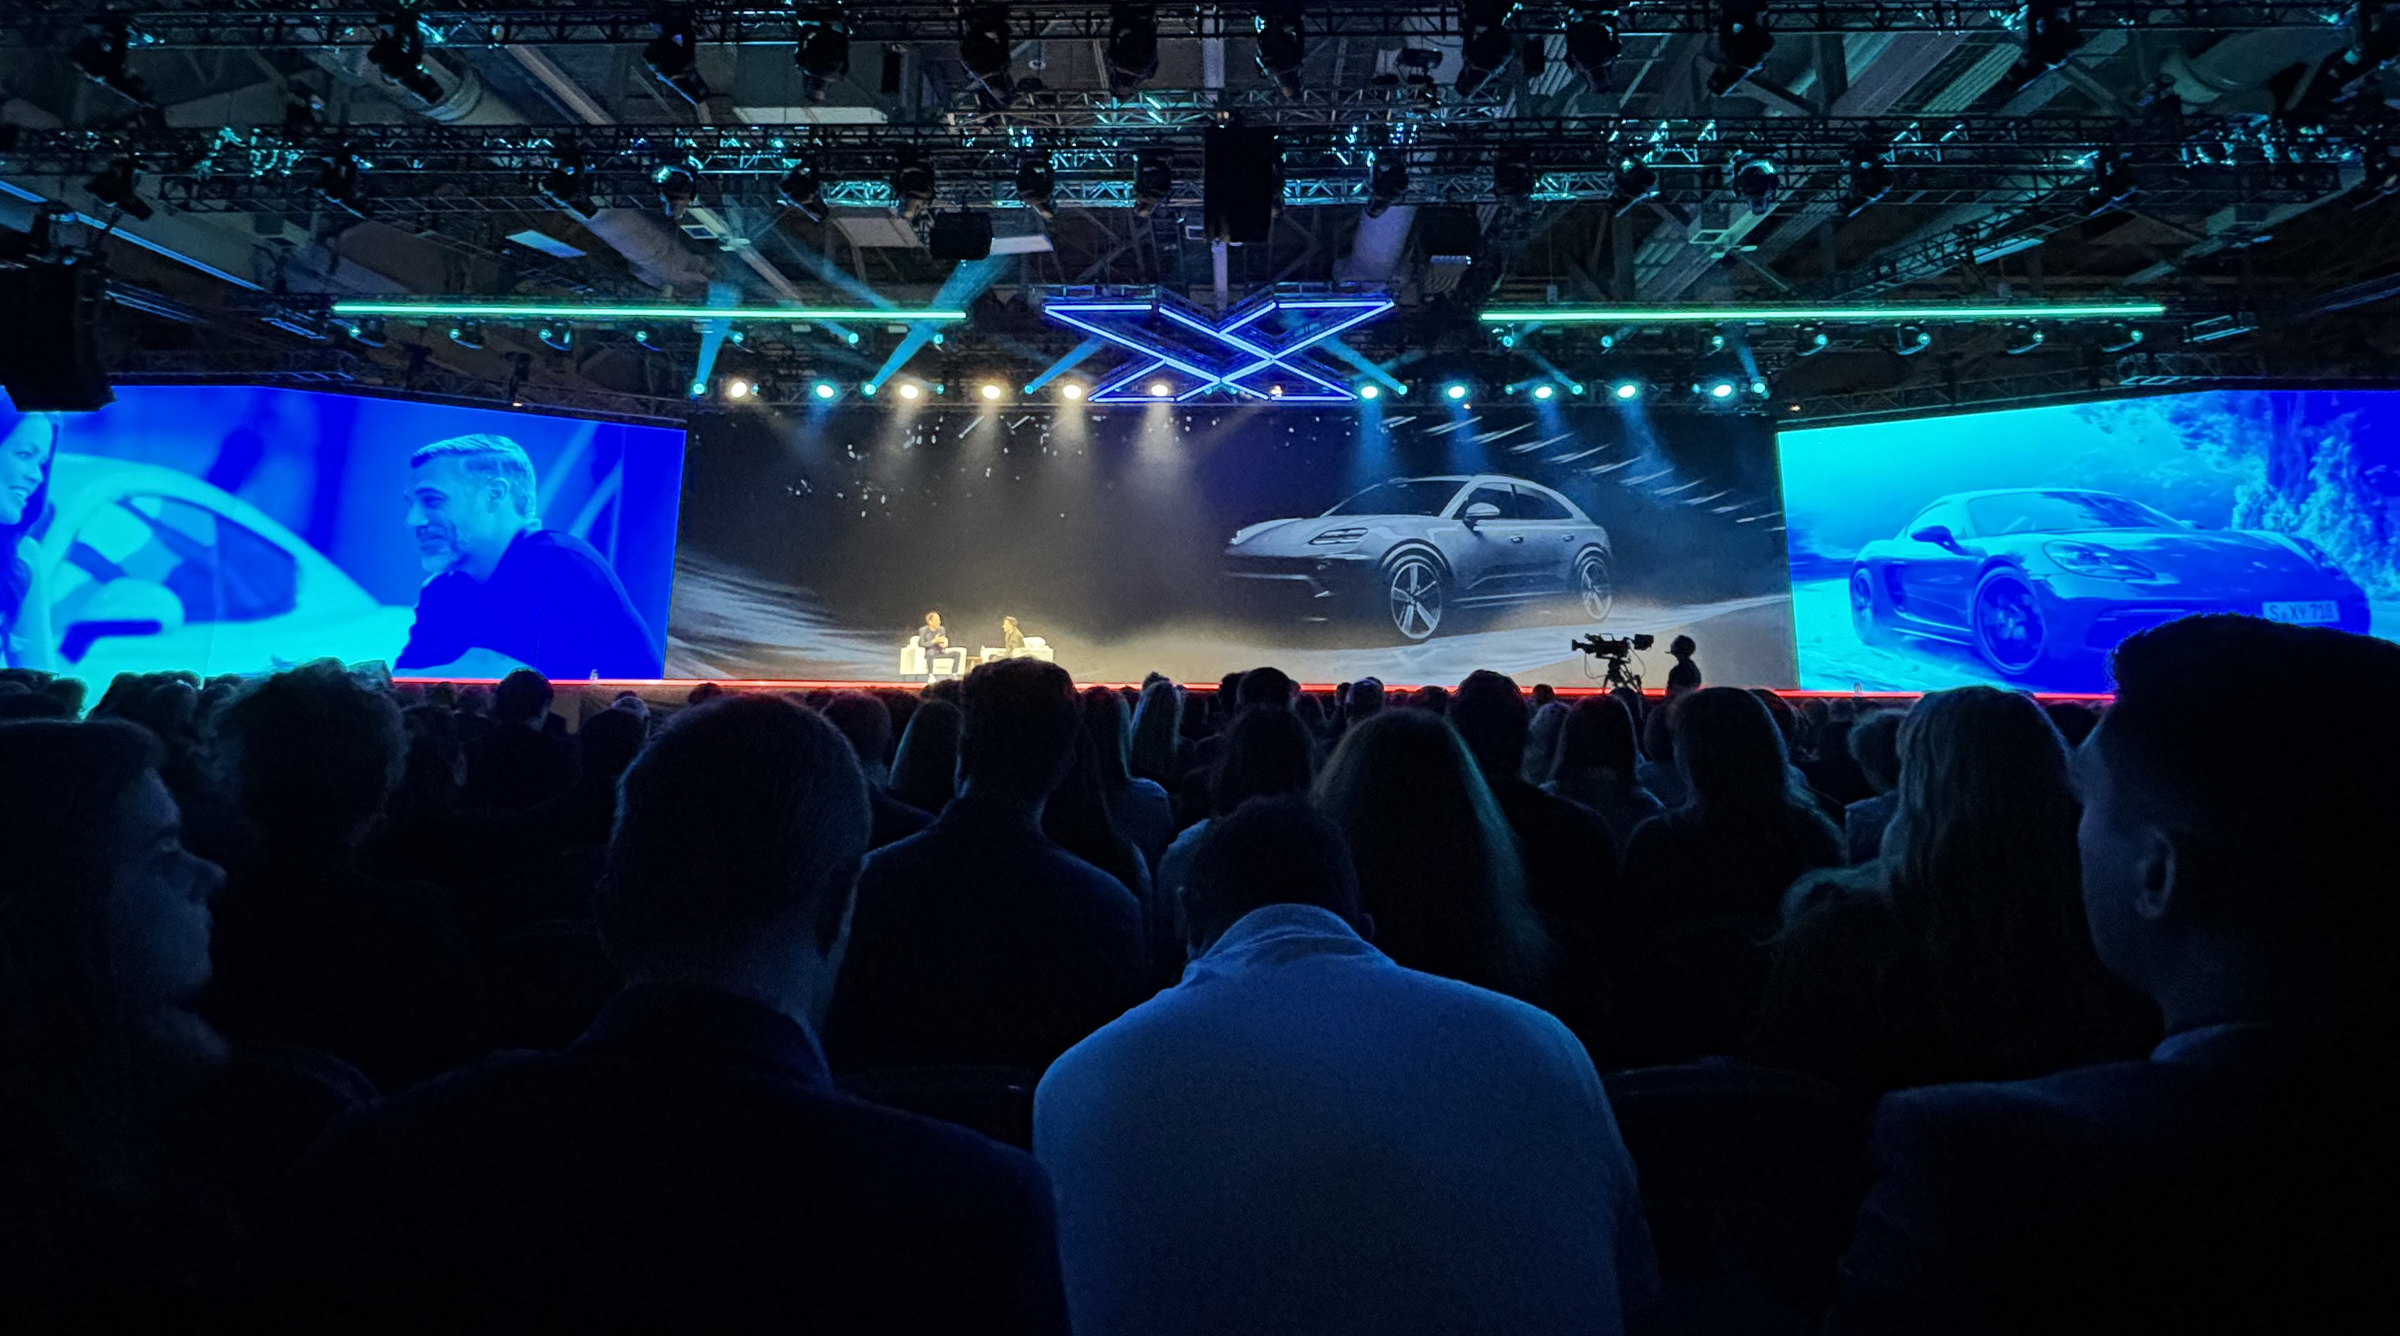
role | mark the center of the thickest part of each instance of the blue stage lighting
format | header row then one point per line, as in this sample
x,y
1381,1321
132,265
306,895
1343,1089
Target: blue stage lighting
x,y
1543,391
824,389
1370,391
1720,389
1625,391
1454,391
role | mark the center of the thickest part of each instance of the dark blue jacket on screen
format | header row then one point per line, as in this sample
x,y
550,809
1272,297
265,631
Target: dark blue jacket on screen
x,y
687,1165
552,604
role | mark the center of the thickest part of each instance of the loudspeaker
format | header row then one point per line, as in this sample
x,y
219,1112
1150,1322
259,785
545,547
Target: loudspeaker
x,y
962,236
49,355
1242,183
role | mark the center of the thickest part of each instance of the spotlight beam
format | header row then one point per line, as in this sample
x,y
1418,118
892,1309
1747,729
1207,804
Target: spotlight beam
x,y
1065,364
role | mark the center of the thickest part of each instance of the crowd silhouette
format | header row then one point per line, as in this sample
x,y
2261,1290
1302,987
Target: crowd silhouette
x,y
329,1003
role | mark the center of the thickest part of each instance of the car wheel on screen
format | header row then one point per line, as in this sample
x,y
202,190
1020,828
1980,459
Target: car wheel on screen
x,y
1413,591
1595,586
1865,622
2010,631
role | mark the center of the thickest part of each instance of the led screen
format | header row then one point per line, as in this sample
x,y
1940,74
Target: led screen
x,y
1414,544
2020,547
237,529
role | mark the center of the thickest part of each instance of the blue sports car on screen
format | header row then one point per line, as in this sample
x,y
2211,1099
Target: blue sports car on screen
x,y
2042,583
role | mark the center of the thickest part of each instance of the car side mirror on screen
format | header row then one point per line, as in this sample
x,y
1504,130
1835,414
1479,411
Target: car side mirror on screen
x,y
1481,511
1937,534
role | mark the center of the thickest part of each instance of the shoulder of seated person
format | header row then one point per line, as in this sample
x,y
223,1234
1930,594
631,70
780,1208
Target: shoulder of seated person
x,y
1962,1115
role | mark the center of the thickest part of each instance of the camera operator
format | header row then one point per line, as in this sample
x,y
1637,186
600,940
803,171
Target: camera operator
x,y
1685,675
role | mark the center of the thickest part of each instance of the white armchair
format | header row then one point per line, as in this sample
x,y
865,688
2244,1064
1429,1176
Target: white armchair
x,y
1035,648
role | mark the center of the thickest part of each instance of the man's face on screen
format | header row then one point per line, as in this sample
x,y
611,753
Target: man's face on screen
x,y
457,517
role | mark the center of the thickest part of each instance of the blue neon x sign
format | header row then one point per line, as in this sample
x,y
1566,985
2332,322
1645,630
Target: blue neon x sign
x,y
1253,353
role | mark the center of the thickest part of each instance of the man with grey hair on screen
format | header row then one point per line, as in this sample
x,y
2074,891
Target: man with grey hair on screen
x,y
504,592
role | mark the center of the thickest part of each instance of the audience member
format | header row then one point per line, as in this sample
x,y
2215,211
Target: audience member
x,y
1597,763
1684,676
1138,808
309,950
1364,702
867,725
2235,870
687,1164
1569,857
1437,866
1658,771
1156,753
1961,954
1079,819
2075,722
1432,699
925,769
1264,686
978,940
1266,753
1703,884
516,765
1874,743
1541,739
1304,1136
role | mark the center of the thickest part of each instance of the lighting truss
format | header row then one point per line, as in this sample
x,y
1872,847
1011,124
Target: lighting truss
x,y
1254,353
1935,160
1796,313
597,313
225,23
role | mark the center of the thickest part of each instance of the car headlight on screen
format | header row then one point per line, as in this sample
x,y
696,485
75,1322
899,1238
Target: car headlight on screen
x,y
2094,560
1336,537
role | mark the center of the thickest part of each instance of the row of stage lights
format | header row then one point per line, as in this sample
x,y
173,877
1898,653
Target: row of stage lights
x,y
1720,391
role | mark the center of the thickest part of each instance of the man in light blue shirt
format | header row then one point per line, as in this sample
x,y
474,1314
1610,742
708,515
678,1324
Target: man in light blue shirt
x,y
1302,1136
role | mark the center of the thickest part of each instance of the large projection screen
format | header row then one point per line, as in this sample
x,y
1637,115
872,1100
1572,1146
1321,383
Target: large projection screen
x,y
237,529
2021,547
1415,544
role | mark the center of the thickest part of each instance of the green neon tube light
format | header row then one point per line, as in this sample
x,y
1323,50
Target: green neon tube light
x,y
1707,315
449,310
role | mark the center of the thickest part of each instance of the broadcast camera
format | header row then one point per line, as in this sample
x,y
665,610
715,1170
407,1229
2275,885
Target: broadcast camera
x,y
1613,656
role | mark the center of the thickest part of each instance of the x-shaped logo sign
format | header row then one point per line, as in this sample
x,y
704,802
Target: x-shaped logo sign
x,y
1252,353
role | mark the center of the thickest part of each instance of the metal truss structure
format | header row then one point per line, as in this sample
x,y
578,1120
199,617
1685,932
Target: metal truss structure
x,y
427,168
283,23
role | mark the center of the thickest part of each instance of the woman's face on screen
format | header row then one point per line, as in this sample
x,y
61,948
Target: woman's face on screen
x,y
24,462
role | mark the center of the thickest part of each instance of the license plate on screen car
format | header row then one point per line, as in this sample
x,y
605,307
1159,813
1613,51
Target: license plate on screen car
x,y
2309,613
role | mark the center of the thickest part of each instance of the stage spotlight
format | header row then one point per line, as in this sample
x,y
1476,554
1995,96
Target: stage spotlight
x,y
1070,390
698,388
2050,37
1282,45
914,182
642,337
367,333
677,184
2022,338
1869,178
983,47
1755,180
2113,183
1513,177
2120,338
1483,43
1759,388
114,188
1455,391
566,186
399,56
1635,181
101,58
738,389
557,338
1721,389
1544,392
1387,182
803,191
672,57
1037,186
1593,44
821,50
912,392
1625,391
1909,340
1132,46
1743,44
738,337
1153,181
825,389
1159,389
467,334
990,390
1370,391
1811,340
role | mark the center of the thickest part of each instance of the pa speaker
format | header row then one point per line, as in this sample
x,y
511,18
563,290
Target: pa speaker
x,y
962,236
49,355
1242,183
